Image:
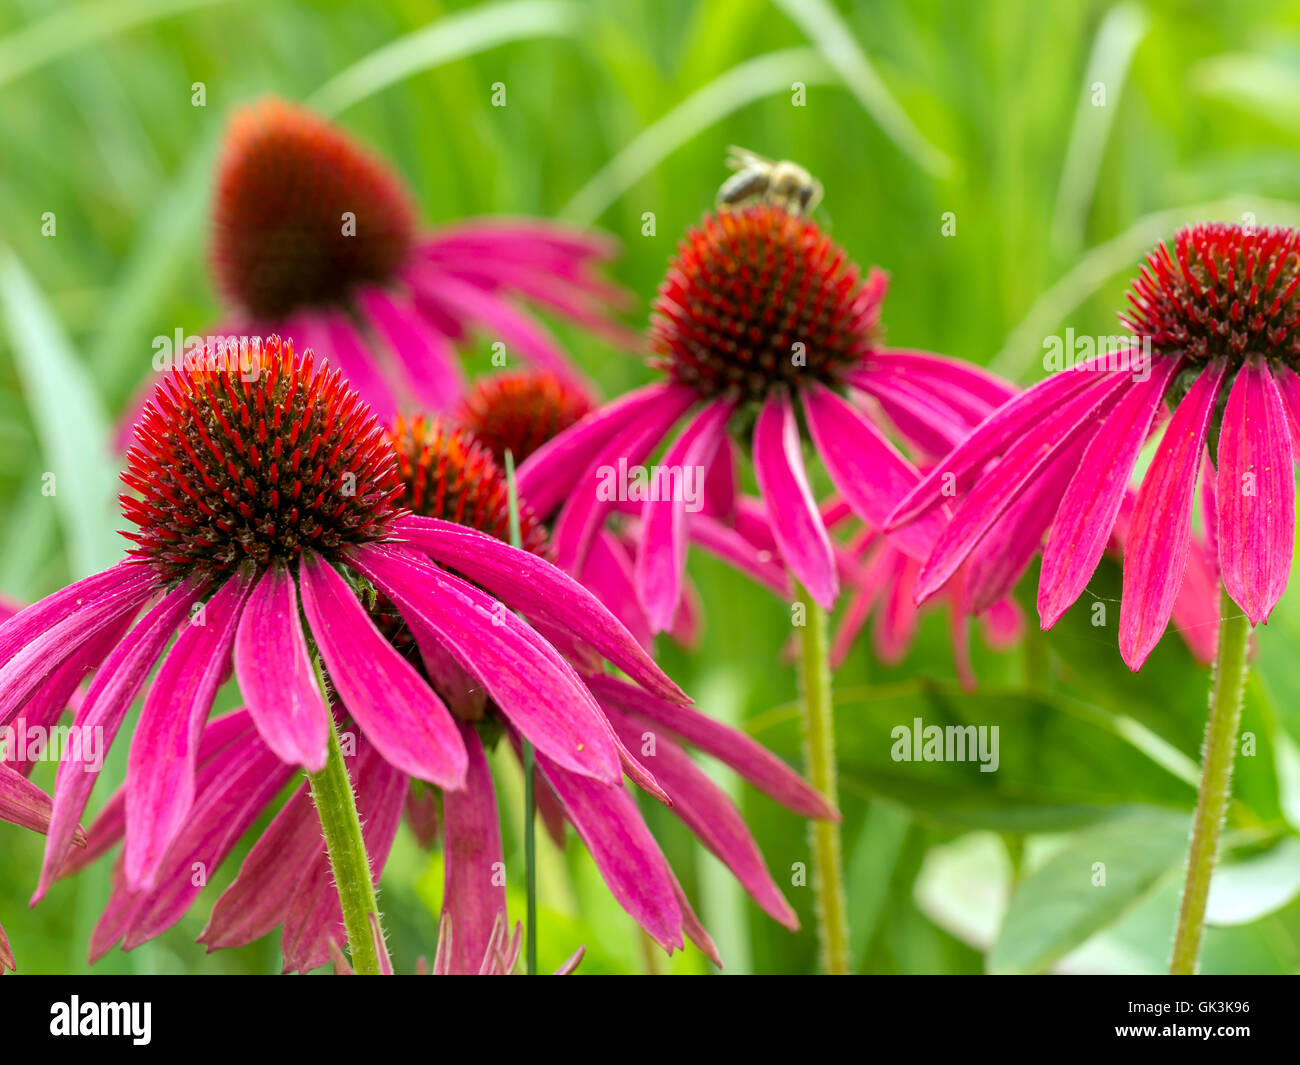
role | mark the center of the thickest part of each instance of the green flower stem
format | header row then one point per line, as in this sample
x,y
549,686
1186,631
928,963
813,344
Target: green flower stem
x,y
829,903
530,758
331,790
1216,780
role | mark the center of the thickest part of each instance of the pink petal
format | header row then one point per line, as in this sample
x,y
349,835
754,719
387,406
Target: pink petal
x,y
549,474
394,706
661,561
538,589
1255,493
783,482
1091,504
276,676
1155,554
746,756
425,355
585,509
111,694
865,468
623,849
705,809
161,763
993,436
1023,462
525,676
474,891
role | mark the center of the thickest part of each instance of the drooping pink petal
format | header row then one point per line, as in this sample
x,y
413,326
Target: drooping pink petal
x,y
43,711
548,475
527,679
101,713
1091,503
532,585
43,649
955,474
865,467
335,338
164,749
276,676
897,618
255,903
783,482
732,547
1023,462
394,706
746,756
608,574
964,386
1255,493
429,361
705,809
1155,551
500,320
22,802
474,888
28,623
243,780
661,559
1000,559
623,849
609,475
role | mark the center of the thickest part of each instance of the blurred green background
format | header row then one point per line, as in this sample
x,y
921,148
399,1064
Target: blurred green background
x,y
1063,138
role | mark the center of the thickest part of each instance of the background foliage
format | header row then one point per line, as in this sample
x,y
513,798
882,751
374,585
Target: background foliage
x,y
618,108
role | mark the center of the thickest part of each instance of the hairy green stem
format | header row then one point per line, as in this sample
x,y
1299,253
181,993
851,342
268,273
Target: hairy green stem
x,y
331,790
830,906
1220,747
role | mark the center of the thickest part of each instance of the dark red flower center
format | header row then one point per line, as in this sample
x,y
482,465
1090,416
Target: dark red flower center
x,y
255,454
757,298
303,214
1225,290
520,412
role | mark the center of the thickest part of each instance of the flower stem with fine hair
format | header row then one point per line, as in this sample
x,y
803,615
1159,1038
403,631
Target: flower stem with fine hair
x,y
336,806
829,902
1216,780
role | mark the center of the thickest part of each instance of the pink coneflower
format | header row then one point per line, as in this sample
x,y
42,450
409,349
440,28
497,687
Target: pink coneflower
x,y
763,328
317,240
1218,314
436,632
261,499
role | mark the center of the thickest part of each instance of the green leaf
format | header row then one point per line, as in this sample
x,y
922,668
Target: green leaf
x,y
1060,762
70,420
1064,902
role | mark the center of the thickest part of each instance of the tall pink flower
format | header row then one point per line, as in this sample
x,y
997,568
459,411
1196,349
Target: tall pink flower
x,y
1218,315
425,618
264,496
763,329
317,240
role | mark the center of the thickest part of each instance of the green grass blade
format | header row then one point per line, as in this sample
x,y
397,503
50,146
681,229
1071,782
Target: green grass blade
x,y
449,38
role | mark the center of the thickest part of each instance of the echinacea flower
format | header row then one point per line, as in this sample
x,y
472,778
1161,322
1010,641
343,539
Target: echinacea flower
x,y
316,239
261,499
761,327
415,623
1215,339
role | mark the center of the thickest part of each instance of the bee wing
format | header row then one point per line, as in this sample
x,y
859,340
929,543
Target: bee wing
x,y
742,158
